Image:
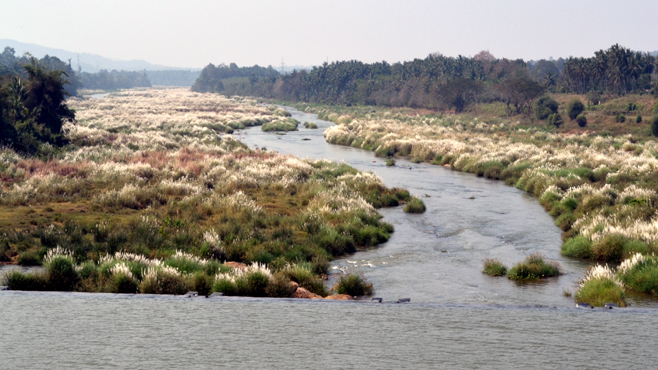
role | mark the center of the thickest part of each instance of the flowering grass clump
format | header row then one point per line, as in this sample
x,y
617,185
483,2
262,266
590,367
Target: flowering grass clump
x,y
601,286
640,273
493,267
534,267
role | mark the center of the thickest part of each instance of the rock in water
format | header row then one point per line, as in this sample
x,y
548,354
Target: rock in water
x,y
303,293
339,297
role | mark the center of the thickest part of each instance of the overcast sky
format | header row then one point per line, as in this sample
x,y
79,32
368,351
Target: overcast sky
x,y
194,33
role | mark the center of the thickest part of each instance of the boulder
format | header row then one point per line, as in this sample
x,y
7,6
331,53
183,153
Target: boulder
x,y
236,265
339,297
303,293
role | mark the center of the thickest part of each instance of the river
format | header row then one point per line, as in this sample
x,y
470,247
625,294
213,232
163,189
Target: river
x,y
458,317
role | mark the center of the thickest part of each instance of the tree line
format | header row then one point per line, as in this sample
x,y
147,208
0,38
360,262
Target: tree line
x,y
441,82
114,80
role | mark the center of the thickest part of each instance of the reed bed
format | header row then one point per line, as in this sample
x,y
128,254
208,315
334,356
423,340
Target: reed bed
x,y
154,195
599,187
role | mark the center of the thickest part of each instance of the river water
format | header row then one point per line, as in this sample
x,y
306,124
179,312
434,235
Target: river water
x,y
457,318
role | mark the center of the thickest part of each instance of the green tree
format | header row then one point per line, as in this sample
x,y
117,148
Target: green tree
x,y
545,106
459,93
574,108
581,120
519,94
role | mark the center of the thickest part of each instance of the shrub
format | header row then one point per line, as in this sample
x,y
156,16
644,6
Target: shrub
x,y
353,285
279,286
390,162
545,106
581,120
555,119
578,247
620,118
574,108
493,267
415,205
534,267
598,292
654,126
638,119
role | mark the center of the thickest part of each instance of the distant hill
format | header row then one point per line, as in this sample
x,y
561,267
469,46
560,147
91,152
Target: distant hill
x,y
91,63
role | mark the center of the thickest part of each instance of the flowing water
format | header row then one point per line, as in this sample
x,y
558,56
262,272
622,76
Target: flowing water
x,y
458,317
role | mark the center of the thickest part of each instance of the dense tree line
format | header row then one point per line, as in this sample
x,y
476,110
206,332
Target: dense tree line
x,y
104,80
211,76
617,70
33,107
441,82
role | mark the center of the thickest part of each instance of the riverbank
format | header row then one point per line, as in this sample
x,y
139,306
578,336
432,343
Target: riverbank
x,y
599,187
153,197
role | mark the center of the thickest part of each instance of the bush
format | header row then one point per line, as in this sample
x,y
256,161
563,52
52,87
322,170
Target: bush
x,y
578,247
353,285
555,119
545,106
415,205
534,267
279,286
638,119
390,162
574,108
620,118
493,267
598,292
581,120
654,126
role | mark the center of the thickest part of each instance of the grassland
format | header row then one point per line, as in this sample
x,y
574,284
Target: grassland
x,y
153,196
597,181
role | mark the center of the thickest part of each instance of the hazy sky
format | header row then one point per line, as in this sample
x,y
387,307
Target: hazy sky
x,y
194,33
